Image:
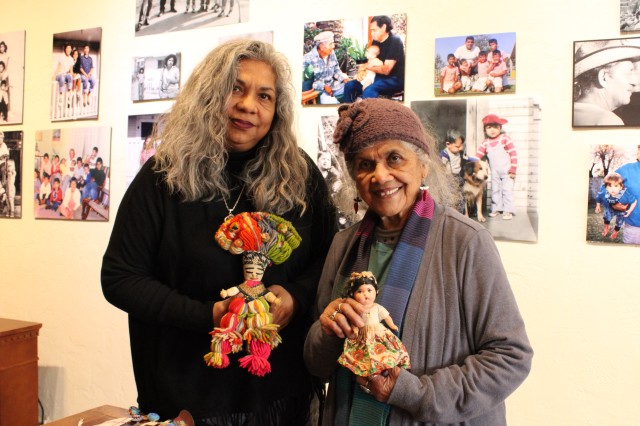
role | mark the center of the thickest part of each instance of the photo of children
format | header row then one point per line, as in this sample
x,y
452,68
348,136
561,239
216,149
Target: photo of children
x,y
75,184
10,174
11,77
161,16
475,64
491,148
141,143
614,189
155,77
75,75
346,60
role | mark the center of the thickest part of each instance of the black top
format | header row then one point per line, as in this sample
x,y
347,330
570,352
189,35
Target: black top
x,y
392,48
164,268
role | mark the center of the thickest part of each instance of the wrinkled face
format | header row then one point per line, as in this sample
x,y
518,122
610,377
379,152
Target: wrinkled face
x,y
455,146
620,80
252,105
378,33
253,271
614,188
365,294
388,177
492,130
326,48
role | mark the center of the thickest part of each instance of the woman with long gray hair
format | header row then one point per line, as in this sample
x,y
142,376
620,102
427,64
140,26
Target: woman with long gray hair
x,y
228,146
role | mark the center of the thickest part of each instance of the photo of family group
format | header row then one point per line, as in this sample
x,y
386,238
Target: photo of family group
x,y
491,148
71,174
350,59
76,75
614,188
606,75
11,77
160,16
155,77
475,64
10,174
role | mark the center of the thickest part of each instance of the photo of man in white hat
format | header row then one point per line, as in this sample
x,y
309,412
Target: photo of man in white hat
x,y
322,70
605,77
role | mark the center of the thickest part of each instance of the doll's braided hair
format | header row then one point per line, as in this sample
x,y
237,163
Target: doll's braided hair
x,y
357,279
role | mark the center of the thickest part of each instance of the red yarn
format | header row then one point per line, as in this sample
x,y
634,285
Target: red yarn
x,y
256,362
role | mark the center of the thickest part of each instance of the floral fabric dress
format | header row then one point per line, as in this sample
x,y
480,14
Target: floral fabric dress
x,y
375,348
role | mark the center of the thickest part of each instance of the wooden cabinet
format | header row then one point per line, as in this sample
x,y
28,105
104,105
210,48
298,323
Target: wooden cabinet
x,y
18,372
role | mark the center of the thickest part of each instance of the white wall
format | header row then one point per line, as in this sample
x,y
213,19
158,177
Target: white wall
x,y
583,323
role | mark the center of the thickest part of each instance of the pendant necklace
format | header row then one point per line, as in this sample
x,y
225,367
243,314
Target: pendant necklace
x,y
230,210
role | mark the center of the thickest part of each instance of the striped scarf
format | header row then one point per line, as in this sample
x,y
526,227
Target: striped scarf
x,y
354,407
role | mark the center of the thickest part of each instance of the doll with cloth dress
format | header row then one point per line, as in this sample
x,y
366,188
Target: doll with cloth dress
x,y
375,348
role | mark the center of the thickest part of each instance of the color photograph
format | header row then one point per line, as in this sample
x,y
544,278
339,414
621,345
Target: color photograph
x,y
614,188
71,174
10,174
475,64
156,17
491,147
155,77
141,143
606,75
76,75
11,77
350,59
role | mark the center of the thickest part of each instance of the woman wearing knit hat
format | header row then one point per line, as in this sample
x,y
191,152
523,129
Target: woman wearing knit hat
x,y
604,79
441,280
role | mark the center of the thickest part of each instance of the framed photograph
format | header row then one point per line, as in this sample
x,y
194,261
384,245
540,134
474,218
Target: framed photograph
x,y
141,143
75,78
157,17
346,60
606,74
629,15
475,64
491,147
72,173
11,174
614,189
155,77
11,77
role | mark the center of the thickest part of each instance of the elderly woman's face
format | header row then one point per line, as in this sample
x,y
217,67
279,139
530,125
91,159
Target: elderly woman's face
x,y
252,105
621,81
388,177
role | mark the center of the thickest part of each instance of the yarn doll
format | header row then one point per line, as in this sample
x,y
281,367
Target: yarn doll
x,y
261,238
375,348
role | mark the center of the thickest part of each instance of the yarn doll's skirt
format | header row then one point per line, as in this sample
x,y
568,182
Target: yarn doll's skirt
x,y
375,349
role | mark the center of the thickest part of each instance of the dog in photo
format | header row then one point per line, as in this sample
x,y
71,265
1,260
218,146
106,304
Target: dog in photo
x,y
475,175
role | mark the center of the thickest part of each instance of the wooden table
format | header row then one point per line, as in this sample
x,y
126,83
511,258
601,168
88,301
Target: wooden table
x,y
92,417
18,372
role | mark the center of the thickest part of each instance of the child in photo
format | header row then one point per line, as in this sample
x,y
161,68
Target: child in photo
x,y
55,198
614,201
450,76
365,76
11,187
453,155
465,75
503,159
482,82
498,71
45,189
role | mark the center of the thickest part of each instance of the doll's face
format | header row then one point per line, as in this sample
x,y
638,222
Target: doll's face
x,y
253,271
365,294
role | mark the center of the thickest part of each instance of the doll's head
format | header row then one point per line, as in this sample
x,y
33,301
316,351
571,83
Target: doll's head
x,y
363,287
253,265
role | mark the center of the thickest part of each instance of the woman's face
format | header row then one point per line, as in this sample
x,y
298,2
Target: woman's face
x,y
324,162
365,294
170,62
388,177
252,105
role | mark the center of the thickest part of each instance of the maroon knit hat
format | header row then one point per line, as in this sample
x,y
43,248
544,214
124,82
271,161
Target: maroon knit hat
x,y
371,120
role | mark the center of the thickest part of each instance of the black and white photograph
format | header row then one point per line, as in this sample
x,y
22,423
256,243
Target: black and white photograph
x,y
161,16
72,174
75,80
155,77
12,53
629,15
606,77
491,147
10,174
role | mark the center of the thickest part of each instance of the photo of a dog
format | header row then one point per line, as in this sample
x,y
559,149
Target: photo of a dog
x,y
475,175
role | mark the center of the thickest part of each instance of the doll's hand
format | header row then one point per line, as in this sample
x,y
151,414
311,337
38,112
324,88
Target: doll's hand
x,y
341,316
283,311
380,385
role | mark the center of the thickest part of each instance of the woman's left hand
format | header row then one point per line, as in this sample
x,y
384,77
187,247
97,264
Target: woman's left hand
x,y
283,311
380,385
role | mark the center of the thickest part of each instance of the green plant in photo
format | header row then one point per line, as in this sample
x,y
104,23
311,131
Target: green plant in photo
x,y
358,52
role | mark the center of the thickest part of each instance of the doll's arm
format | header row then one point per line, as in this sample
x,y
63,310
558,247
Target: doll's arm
x,y
389,321
272,298
229,292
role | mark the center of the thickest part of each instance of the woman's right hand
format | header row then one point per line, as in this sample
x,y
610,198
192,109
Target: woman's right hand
x,y
341,316
219,309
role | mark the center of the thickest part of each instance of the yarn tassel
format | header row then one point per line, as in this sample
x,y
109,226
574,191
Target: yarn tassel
x,y
257,361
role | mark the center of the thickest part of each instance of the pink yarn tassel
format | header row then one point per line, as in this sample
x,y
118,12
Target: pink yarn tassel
x,y
256,362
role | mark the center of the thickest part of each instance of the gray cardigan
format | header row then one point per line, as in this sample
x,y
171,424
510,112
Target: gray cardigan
x,y
464,333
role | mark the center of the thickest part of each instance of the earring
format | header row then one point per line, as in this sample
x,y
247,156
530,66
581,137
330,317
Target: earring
x,y
356,204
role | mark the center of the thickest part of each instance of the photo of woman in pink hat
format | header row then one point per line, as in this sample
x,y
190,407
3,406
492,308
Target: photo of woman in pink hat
x,y
605,77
